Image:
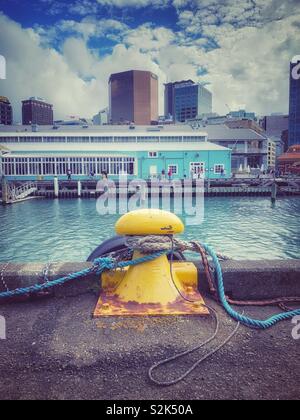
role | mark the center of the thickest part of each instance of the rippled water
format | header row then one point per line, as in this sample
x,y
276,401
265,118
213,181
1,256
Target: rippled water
x,y
68,230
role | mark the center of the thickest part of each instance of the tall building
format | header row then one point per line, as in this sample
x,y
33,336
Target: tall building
x,y
271,154
169,96
37,111
133,97
275,124
276,127
294,119
6,112
191,100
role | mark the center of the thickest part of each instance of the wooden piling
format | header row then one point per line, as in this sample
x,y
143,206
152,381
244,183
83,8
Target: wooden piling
x,y
4,186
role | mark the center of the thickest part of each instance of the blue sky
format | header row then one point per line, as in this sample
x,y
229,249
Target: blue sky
x,y
65,50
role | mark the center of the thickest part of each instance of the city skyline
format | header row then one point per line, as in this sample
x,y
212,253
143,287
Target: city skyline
x,y
240,50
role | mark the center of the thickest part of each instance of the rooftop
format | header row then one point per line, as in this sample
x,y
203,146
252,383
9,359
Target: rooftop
x,y
222,132
122,129
215,132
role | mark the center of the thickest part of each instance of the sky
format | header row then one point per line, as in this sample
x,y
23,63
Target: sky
x,y
64,51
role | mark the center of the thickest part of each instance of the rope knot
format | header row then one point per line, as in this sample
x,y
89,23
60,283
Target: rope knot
x,y
102,264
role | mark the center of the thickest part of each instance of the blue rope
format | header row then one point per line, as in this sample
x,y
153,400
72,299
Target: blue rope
x,y
100,265
249,322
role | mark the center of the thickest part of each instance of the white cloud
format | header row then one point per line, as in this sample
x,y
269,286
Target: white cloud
x,y
34,70
88,27
89,7
75,80
250,65
133,3
147,37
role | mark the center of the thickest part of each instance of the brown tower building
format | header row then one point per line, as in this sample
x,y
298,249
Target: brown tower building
x,y
133,97
6,113
37,111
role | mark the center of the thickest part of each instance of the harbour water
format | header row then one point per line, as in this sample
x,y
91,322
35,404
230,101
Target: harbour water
x,y
68,230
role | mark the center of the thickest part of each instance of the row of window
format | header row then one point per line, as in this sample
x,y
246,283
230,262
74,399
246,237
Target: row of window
x,y
197,169
62,165
164,139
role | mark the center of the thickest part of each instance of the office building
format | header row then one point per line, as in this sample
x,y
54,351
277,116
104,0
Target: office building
x,y
191,100
276,128
294,116
272,155
37,111
6,112
169,96
133,97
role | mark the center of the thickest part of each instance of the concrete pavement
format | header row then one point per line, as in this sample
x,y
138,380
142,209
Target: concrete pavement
x,y
55,350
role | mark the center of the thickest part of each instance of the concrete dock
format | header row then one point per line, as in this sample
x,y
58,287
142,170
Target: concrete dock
x,y
55,350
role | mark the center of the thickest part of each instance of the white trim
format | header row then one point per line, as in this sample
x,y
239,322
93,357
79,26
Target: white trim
x,y
221,165
111,147
195,164
34,166
152,157
174,165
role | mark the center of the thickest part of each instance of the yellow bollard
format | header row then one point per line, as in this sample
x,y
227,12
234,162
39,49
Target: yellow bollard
x,y
151,288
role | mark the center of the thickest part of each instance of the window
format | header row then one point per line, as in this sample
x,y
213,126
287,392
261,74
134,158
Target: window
x,y
125,139
152,155
219,169
9,139
147,139
197,168
170,139
101,139
173,169
60,165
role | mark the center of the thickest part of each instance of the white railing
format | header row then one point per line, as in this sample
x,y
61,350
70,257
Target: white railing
x,y
19,193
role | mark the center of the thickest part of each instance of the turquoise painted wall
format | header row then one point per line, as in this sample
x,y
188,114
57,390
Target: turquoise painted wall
x,y
183,161
148,165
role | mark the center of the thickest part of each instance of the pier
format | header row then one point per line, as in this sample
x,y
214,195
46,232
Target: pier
x,y
54,349
87,189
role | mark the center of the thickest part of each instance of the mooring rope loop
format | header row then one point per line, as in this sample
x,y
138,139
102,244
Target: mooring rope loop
x,y
247,321
154,243
192,350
